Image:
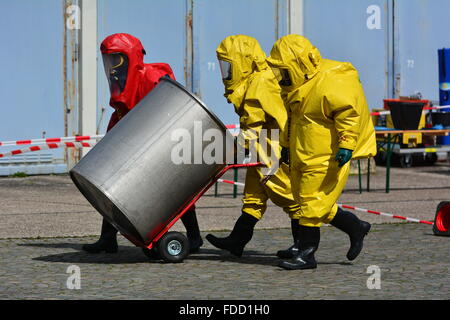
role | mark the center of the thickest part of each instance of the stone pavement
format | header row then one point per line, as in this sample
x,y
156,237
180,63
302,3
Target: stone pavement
x,y
411,262
45,220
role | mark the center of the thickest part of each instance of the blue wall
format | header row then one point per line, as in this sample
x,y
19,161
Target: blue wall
x,y
421,28
340,30
396,57
31,85
161,26
394,48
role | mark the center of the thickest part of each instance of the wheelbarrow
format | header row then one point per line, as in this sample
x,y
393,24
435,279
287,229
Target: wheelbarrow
x,y
141,177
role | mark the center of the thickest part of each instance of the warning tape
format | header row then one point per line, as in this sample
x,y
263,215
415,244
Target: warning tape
x,y
69,139
344,206
385,214
380,113
231,182
47,147
51,140
95,137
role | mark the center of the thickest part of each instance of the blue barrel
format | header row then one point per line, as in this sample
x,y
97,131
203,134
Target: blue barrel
x,y
444,86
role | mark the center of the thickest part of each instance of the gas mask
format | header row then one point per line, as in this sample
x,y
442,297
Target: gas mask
x,y
116,69
225,69
283,77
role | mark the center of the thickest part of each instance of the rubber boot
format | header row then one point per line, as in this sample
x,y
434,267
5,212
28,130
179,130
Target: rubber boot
x,y
354,227
308,242
292,250
107,241
241,234
189,220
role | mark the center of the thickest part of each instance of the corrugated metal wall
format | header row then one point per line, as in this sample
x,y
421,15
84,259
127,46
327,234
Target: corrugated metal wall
x,y
421,27
212,22
40,95
31,86
393,43
356,31
185,34
161,27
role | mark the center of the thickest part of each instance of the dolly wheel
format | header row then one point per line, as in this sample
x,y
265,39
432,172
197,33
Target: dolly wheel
x,y
152,254
173,247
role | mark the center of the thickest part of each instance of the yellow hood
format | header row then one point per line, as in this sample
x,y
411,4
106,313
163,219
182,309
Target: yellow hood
x,y
296,54
245,55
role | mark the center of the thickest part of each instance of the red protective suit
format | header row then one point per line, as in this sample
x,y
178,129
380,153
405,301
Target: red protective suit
x,y
135,80
141,78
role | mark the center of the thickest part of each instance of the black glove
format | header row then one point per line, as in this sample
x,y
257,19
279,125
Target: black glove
x,y
285,155
166,76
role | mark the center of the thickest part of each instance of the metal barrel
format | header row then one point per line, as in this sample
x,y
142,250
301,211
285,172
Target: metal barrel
x,y
154,161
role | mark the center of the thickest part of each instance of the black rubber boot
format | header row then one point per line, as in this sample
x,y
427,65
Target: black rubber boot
x,y
308,242
292,250
189,220
354,227
107,241
241,234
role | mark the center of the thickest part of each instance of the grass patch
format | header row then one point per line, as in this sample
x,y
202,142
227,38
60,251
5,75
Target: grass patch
x,y
19,175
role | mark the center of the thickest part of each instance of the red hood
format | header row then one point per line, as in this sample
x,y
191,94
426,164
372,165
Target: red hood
x,y
141,78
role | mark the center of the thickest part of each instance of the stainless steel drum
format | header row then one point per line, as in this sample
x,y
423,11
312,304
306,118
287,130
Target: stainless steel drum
x,y
130,176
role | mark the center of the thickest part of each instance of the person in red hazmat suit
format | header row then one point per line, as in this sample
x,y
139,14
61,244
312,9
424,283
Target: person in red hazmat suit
x,y
130,80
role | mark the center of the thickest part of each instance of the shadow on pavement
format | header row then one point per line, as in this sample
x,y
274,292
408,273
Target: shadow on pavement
x,y
131,255
122,257
249,257
125,255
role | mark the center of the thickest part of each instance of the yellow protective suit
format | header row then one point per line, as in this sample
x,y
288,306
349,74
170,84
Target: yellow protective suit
x,y
255,94
328,112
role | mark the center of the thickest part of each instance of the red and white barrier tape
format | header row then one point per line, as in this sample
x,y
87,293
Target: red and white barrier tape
x,y
69,139
231,182
95,137
51,140
380,113
385,214
47,147
344,206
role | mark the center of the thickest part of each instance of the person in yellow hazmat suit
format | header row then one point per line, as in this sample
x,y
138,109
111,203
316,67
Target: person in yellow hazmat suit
x,y
252,88
329,125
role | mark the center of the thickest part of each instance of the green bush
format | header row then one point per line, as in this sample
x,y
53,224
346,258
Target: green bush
x,y
19,175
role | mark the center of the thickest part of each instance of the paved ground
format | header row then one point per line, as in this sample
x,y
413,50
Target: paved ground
x,y
36,269
45,220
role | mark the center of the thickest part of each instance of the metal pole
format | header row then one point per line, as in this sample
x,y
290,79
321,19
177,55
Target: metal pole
x,y
390,146
88,75
296,23
359,176
368,175
235,180
71,74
